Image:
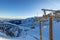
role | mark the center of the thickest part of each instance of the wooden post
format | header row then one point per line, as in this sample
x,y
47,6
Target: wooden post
x,y
40,30
51,30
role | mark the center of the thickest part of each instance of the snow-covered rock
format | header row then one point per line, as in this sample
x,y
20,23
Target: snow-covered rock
x,y
10,29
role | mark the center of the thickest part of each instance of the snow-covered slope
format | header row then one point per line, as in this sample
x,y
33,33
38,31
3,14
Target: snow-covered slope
x,y
31,31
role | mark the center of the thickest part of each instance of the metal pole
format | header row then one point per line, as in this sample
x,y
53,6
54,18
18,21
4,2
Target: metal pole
x,y
51,30
40,30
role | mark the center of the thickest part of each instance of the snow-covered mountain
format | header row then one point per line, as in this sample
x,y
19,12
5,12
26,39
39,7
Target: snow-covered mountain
x,y
31,30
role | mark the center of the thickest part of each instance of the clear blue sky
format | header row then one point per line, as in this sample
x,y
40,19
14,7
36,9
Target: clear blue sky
x,y
26,8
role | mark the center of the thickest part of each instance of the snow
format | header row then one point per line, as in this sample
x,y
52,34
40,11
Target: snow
x,y
27,33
